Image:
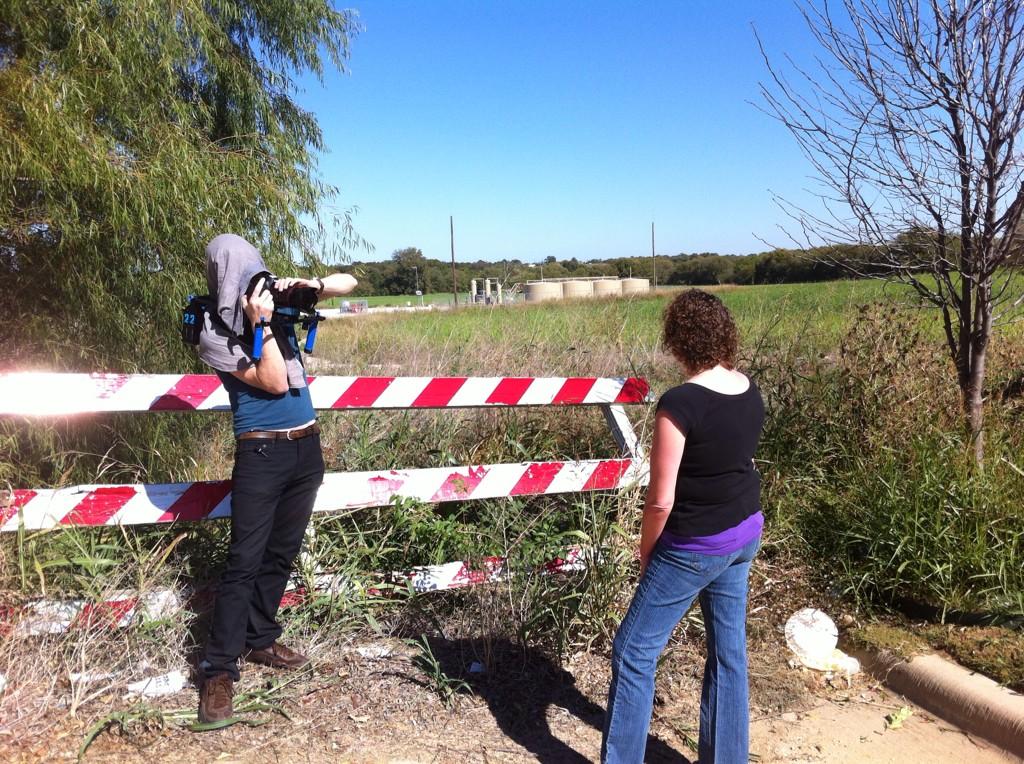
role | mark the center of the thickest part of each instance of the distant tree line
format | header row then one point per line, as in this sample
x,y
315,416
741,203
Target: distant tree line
x,y
408,269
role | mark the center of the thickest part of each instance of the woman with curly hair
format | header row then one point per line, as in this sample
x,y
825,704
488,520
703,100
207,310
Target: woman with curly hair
x,y
701,529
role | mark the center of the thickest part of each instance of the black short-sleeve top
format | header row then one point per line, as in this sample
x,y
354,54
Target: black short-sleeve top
x,y
717,486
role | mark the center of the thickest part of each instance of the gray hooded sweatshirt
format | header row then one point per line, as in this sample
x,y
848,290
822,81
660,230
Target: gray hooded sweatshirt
x,y
231,262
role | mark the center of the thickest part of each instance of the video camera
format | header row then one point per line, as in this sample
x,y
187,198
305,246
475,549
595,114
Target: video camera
x,y
294,305
300,298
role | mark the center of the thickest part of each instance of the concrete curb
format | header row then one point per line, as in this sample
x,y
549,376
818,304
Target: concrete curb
x,y
965,698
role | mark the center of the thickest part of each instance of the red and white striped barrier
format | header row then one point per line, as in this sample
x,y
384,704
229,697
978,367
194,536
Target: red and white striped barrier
x,y
54,394
126,607
91,505
45,394
448,575
49,394
115,612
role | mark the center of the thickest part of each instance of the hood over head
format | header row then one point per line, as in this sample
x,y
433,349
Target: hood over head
x,y
231,262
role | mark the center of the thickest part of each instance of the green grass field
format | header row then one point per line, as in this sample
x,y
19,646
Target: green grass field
x,y
791,304
604,336
608,336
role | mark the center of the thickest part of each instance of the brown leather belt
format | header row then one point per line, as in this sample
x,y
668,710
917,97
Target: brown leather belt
x,y
305,432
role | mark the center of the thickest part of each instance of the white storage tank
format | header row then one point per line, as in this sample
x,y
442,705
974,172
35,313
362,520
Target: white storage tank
x,y
607,288
635,286
573,289
539,291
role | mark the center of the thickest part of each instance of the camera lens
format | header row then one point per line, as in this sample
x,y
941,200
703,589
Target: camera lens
x,y
268,283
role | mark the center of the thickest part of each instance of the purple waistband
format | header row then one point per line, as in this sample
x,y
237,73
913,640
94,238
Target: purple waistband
x,y
728,541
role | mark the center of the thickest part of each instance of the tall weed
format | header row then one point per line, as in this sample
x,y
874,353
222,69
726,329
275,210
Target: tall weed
x,y
866,457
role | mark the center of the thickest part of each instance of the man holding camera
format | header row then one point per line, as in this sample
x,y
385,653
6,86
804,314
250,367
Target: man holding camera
x,y
278,463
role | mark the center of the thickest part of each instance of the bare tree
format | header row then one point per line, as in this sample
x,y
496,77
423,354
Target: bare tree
x,y
911,118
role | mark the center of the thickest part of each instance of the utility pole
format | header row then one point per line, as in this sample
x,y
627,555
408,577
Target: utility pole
x,y
455,285
654,259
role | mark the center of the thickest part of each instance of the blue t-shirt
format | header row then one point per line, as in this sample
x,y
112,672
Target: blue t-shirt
x,y
256,409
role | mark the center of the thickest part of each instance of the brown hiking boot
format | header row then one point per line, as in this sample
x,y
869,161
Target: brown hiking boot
x,y
215,699
277,656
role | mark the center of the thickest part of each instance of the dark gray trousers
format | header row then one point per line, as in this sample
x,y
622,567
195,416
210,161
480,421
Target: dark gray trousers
x,y
274,485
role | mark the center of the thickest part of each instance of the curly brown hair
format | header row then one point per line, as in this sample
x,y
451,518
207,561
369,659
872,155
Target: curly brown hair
x,y
699,331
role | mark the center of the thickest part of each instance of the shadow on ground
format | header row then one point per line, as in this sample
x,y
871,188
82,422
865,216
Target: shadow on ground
x,y
519,685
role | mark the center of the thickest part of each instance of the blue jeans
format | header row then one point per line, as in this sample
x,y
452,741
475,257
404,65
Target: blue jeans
x,y
672,581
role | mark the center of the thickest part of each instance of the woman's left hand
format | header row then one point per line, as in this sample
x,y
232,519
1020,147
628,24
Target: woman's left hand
x,y
644,560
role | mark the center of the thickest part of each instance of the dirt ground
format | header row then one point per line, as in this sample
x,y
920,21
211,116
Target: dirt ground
x,y
469,698
375,703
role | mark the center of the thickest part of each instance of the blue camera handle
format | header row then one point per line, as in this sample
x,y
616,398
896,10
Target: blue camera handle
x,y
257,339
311,332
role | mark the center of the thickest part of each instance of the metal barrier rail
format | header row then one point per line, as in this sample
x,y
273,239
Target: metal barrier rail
x,y
36,394
140,504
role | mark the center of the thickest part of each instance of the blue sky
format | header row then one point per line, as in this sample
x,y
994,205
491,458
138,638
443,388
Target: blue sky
x,y
561,128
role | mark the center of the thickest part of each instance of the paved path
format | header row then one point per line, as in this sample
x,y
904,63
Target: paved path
x,y
855,732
